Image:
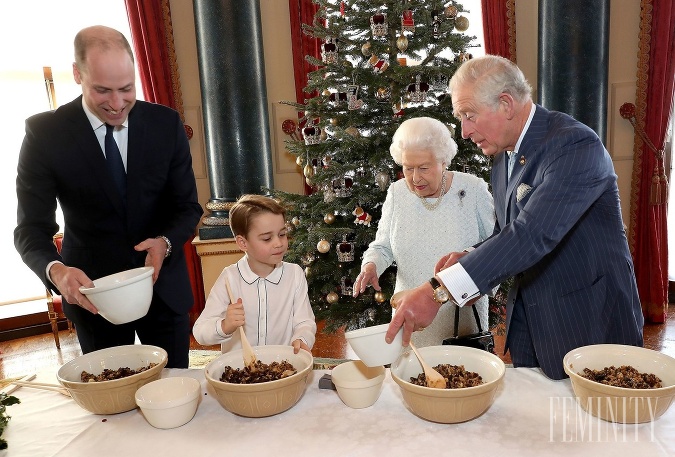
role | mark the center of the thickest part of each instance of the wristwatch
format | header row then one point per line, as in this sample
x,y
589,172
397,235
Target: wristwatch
x,y
441,294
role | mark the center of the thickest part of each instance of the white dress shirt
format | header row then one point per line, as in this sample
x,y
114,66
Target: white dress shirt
x,y
277,308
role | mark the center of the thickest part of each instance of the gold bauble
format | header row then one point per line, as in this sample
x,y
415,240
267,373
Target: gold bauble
x,y
329,218
332,297
462,23
402,43
333,121
326,93
308,171
451,12
299,160
295,221
309,182
365,49
353,131
323,246
380,297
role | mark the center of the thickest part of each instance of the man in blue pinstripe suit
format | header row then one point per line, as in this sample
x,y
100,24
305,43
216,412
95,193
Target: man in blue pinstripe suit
x,y
558,231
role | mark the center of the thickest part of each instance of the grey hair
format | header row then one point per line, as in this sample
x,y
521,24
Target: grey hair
x,y
491,76
423,133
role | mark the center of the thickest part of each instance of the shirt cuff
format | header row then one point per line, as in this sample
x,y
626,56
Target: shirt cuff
x,y
219,329
49,266
459,284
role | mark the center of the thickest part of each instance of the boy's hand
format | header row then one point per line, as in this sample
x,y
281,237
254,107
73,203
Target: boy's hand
x,y
234,317
299,344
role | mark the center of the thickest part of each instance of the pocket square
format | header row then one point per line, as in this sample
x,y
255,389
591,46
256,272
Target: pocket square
x,y
522,191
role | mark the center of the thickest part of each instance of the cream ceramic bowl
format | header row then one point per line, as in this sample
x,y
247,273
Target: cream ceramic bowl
x,y
618,404
117,395
358,385
369,345
169,402
449,406
266,398
122,297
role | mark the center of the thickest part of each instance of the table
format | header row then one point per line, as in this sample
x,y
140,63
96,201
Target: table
x,y
532,416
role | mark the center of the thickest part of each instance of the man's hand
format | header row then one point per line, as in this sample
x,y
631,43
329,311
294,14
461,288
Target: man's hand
x,y
156,250
448,260
68,281
415,310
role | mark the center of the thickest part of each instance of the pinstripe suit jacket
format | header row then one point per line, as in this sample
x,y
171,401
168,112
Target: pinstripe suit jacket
x,y
559,233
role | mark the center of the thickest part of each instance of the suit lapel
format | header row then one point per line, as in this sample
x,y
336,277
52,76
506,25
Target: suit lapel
x,y
91,151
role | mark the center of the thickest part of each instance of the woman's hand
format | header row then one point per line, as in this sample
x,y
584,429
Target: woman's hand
x,y
448,260
368,276
234,317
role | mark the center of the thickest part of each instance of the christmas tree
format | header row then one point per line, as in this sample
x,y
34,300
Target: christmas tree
x,y
382,61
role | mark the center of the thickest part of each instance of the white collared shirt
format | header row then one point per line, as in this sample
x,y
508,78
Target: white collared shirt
x,y
455,278
277,308
120,133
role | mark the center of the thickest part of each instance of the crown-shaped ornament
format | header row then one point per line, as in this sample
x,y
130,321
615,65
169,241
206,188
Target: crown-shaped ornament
x,y
343,187
329,51
418,90
439,83
345,250
346,286
378,24
312,134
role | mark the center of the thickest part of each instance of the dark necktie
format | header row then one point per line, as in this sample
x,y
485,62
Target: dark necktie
x,y
114,160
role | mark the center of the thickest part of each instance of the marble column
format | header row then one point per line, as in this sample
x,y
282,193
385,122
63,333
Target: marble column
x,y
573,59
234,105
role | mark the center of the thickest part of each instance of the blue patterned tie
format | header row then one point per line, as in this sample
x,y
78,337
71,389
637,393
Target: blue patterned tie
x,y
512,161
114,160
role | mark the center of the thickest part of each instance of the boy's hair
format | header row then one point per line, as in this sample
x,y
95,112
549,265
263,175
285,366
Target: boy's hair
x,y
247,207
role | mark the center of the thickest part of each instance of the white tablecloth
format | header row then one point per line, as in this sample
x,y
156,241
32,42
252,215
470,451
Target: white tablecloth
x,y
531,416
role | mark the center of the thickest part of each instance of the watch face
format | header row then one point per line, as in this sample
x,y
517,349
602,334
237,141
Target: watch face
x,y
441,295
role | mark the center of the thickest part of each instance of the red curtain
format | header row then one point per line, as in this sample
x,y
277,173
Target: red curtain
x,y
152,36
499,27
654,97
302,12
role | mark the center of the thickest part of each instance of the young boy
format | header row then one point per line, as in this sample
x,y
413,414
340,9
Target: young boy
x,y
272,302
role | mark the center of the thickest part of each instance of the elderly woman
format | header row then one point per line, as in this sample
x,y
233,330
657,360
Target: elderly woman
x,y
431,212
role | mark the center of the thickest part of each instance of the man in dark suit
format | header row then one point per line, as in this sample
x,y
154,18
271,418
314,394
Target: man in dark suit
x,y
558,231
143,222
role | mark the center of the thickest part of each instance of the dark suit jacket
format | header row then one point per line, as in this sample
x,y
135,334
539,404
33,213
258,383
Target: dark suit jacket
x,y
559,232
62,159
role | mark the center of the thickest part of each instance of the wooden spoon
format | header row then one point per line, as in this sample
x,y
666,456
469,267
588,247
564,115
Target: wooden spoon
x,y
44,386
249,355
434,378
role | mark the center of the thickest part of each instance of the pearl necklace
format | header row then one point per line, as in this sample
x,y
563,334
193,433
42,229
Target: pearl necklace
x,y
433,206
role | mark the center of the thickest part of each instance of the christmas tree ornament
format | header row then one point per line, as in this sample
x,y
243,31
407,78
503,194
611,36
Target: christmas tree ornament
x,y
418,91
382,180
463,57
439,83
365,49
451,12
329,51
462,23
398,110
307,272
295,221
362,217
343,187
329,218
407,21
336,98
346,286
379,296
328,196
307,259
353,102
436,24
383,94
290,128
333,121
345,250
332,297
300,160
308,171
379,64
378,25
323,136
312,134
323,246
402,43
353,131
326,161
